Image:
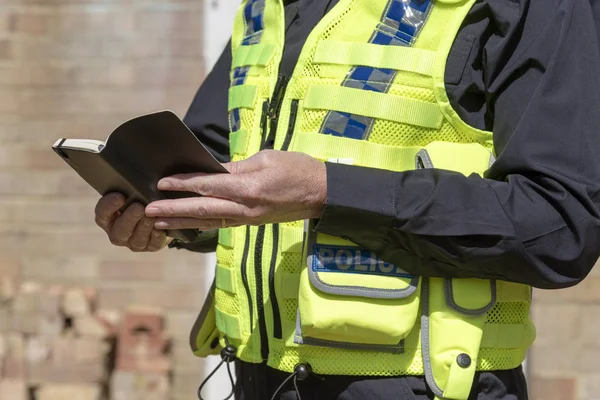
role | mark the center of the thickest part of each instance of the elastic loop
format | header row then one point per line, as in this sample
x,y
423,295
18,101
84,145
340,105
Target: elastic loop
x,y
254,55
400,58
225,279
242,96
362,153
238,142
373,104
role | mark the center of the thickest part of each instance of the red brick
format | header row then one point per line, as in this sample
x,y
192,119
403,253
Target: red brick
x,y
91,326
564,388
127,385
14,369
160,364
13,389
111,297
173,296
131,270
9,267
69,391
38,349
77,350
111,320
558,330
8,289
173,23
47,372
30,23
76,303
5,49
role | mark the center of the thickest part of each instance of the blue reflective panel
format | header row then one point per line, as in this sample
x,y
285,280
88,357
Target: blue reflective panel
x,y
396,10
420,5
354,129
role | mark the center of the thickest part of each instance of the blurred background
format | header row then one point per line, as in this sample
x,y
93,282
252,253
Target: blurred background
x,y
79,68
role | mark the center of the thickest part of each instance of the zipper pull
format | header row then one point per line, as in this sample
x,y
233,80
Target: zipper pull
x,y
277,97
263,123
274,108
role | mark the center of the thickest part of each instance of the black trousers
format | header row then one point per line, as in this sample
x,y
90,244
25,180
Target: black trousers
x,y
259,382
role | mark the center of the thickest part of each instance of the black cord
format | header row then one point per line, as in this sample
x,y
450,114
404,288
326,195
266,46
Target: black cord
x,y
292,376
230,380
227,356
208,378
296,387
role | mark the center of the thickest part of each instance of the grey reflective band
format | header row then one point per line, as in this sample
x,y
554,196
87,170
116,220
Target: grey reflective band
x,y
423,160
449,291
425,339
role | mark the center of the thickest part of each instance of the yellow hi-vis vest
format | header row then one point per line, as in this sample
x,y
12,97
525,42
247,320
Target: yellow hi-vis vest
x,y
368,89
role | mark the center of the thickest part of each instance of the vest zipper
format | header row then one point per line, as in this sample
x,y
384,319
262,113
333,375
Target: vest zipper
x,y
260,307
277,334
245,274
271,112
274,108
277,328
291,125
263,123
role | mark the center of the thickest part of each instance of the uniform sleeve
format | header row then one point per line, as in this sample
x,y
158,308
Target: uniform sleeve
x,y
207,118
534,218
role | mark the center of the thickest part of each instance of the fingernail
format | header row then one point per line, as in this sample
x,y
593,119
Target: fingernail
x,y
164,184
151,210
148,222
161,225
156,234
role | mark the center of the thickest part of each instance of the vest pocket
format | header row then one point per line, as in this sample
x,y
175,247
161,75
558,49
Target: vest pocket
x,y
204,336
349,298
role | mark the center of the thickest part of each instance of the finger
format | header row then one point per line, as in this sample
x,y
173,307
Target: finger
x,y
196,207
125,224
193,223
141,235
158,240
106,209
213,185
252,164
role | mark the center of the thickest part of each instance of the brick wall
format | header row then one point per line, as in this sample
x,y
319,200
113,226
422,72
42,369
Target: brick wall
x,y
78,68
565,360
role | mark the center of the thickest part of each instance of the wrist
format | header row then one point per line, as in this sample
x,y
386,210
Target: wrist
x,y
319,189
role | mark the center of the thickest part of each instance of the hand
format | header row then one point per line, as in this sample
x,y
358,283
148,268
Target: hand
x,y
131,228
269,187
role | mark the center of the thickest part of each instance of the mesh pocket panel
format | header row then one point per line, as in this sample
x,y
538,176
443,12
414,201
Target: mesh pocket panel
x,y
227,302
508,313
498,359
225,257
290,309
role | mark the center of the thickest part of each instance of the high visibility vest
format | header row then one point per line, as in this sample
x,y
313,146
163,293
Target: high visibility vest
x,y
368,89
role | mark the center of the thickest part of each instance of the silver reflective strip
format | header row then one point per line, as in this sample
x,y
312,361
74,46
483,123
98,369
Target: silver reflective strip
x,y
425,338
423,160
449,291
492,160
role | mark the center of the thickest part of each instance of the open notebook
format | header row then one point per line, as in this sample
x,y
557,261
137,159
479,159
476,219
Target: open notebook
x,y
136,156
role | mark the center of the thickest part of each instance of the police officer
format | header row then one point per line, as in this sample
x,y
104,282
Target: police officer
x,y
402,172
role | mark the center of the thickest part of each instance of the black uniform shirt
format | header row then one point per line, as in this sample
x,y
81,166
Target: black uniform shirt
x,y
527,70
